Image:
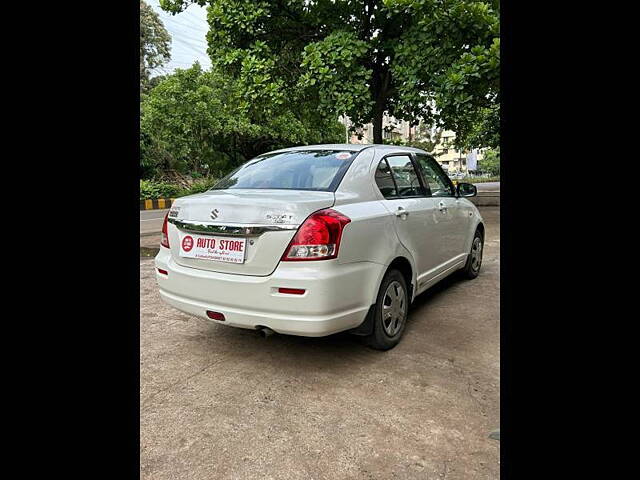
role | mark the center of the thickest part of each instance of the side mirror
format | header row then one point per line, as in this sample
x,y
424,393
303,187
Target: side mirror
x,y
466,190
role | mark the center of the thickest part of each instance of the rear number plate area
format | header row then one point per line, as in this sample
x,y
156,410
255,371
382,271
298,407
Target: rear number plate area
x,y
210,247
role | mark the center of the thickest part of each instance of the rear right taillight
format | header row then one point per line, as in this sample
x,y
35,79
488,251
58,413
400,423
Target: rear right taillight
x,y
318,238
165,232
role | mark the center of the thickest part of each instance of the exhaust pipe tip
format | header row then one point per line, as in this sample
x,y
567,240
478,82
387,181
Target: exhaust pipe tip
x,y
265,332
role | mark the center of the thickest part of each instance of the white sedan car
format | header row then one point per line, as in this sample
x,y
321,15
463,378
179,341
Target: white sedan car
x,y
320,239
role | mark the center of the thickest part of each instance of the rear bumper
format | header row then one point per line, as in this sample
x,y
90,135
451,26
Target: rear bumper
x,y
337,296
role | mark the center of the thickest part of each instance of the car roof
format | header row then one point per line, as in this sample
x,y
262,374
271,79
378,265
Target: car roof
x,y
354,147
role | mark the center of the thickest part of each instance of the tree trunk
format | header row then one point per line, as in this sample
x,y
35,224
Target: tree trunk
x,y
380,88
377,126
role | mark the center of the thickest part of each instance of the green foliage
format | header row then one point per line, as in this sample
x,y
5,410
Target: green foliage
x,y
490,162
335,67
155,45
450,62
200,123
476,179
150,189
200,186
483,129
430,60
469,96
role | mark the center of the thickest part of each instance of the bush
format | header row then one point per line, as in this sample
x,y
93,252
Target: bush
x,y
491,162
150,189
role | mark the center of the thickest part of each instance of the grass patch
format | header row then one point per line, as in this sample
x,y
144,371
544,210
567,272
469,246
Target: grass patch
x,y
479,179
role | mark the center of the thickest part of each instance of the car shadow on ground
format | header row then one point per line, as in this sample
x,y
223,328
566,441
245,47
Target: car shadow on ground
x,y
311,353
290,355
435,291
418,311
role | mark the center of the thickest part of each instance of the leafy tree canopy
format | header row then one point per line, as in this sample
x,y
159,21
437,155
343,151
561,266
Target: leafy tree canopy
x,y
200,122
435,61
155,44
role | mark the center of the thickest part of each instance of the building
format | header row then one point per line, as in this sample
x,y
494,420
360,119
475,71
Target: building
x,y
452,160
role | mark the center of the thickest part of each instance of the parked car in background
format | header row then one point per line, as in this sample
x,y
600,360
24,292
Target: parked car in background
x,y
320,239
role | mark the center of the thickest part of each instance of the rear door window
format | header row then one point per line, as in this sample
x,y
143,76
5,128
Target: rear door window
x,y
384,180
405,175
438,181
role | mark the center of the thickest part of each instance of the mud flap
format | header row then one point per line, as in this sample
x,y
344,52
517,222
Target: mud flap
x,y
366,327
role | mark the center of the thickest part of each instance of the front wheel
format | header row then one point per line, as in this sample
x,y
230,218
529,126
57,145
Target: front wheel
x,y
474,259
391,310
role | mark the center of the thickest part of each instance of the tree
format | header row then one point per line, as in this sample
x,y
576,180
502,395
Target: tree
x,y
360,58
155,44
490,162
450,61
196,121
480,128
469,97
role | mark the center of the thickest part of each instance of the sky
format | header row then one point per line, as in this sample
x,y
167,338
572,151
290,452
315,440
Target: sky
x,y
188,31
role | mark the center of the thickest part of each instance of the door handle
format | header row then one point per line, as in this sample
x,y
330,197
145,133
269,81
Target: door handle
x,y
401,212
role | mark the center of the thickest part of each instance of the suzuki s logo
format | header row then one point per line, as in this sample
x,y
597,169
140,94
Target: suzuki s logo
x,y
214,214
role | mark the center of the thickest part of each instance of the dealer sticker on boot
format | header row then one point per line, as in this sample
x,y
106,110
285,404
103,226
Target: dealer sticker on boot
x,y
207,247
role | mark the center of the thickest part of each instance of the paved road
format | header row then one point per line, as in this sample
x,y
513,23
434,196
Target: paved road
x,y
224,403
151,221
488,186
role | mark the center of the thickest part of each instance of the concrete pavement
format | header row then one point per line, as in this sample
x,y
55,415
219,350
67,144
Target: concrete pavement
x,y
224,403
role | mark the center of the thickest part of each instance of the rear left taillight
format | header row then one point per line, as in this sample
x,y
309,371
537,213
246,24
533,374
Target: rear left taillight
x,y
318,238
165,232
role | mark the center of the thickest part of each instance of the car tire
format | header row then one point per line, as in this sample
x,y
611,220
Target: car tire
x,y
471,269
393,303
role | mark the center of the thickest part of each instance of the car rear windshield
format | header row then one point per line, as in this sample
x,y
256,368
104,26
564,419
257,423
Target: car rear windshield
x,y
320,170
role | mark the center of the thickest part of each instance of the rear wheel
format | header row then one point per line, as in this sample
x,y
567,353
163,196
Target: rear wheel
x,y
391,310
474,259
